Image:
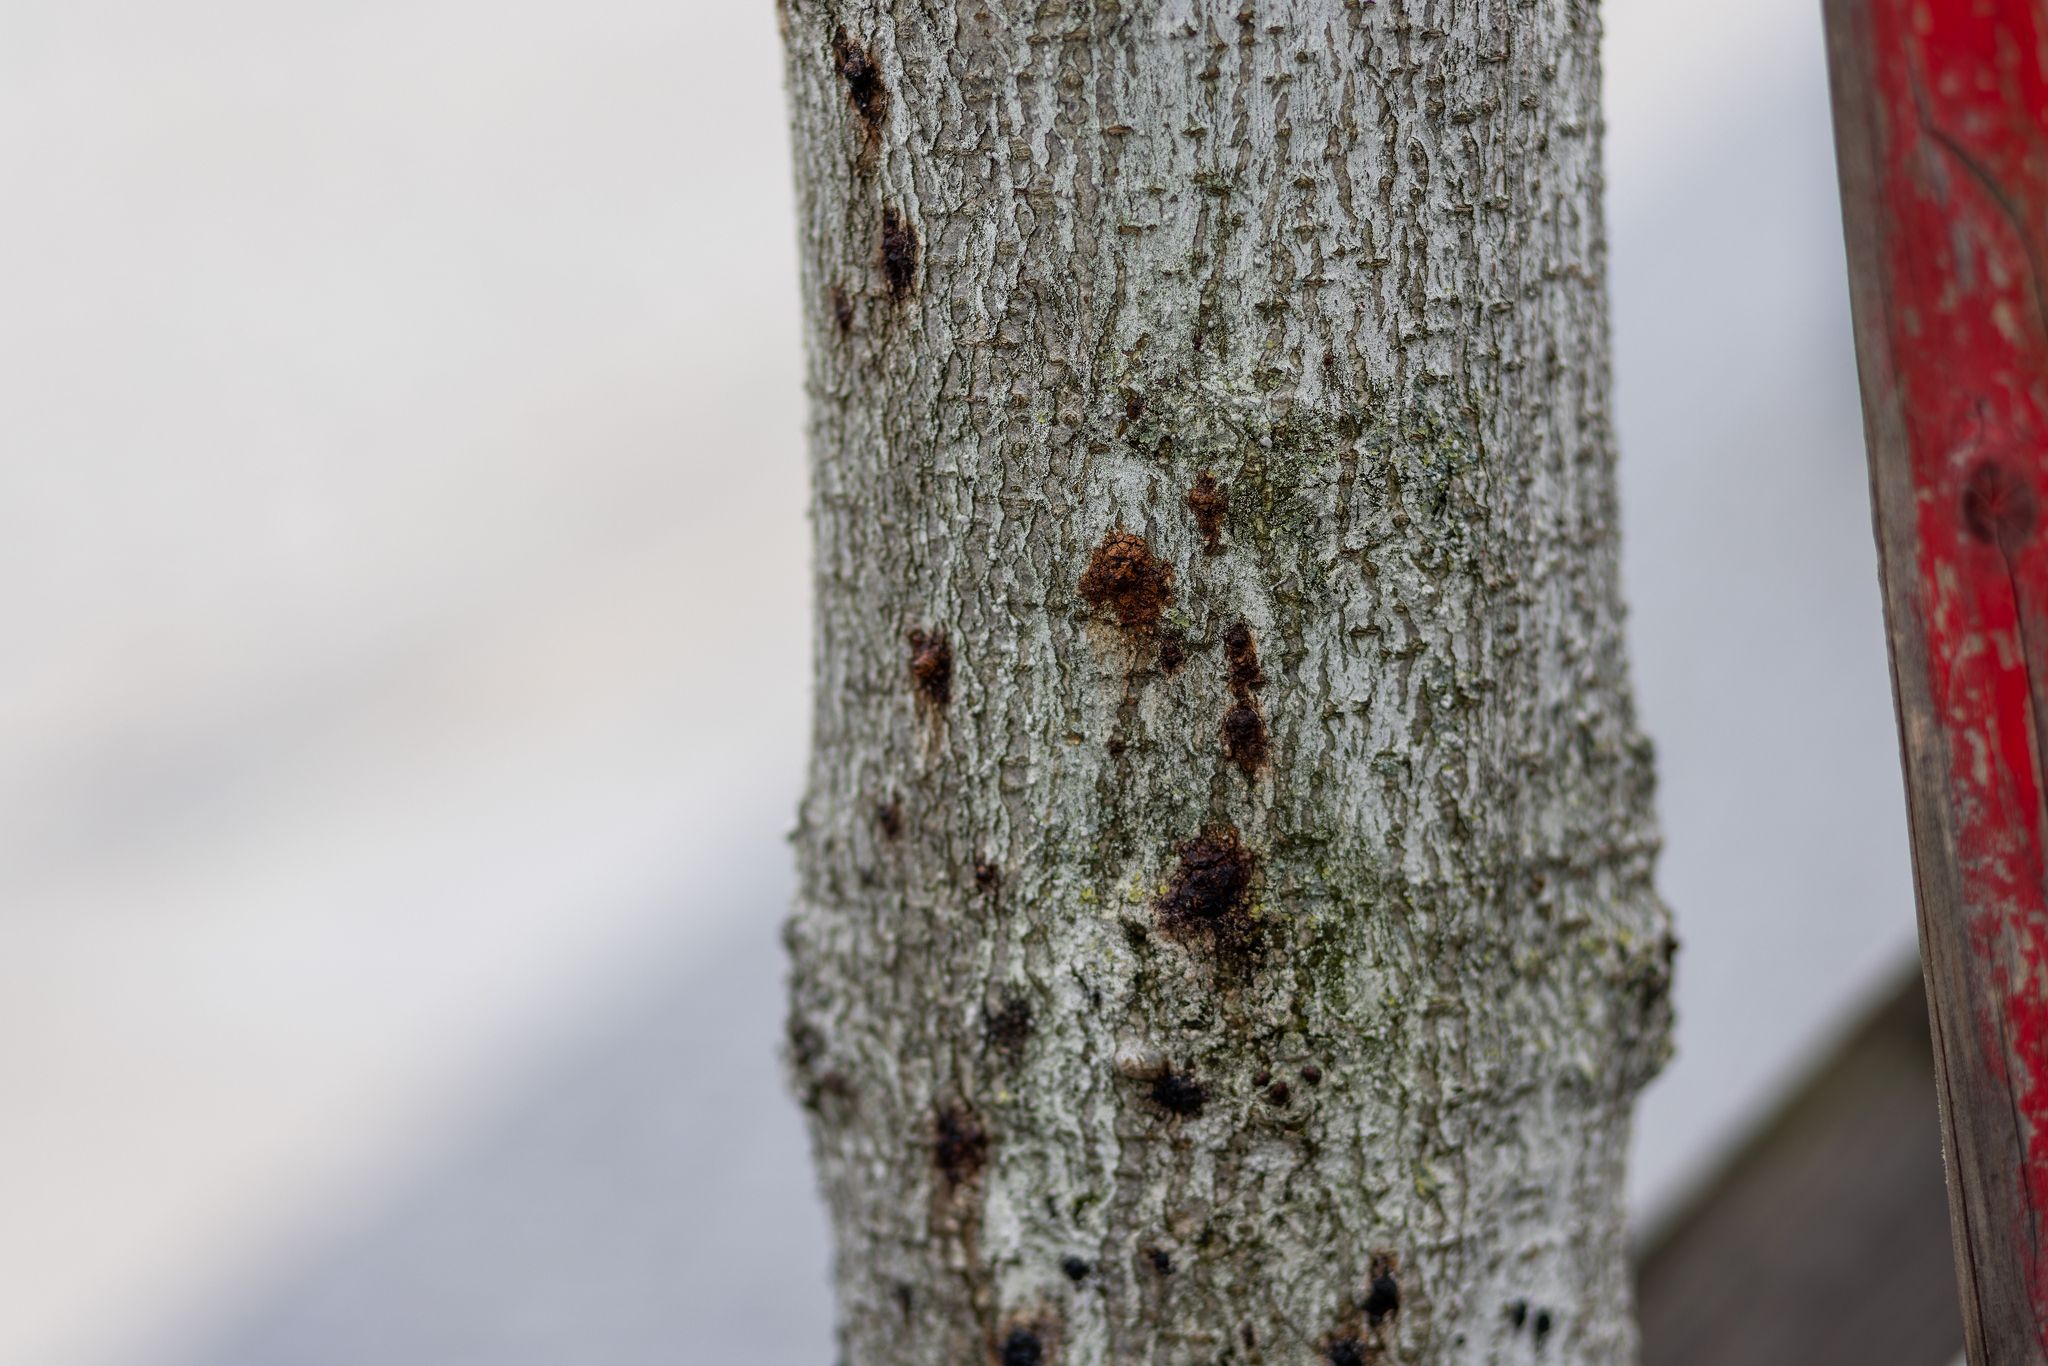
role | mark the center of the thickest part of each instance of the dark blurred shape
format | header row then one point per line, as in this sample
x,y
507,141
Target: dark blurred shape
x,y
1825,1238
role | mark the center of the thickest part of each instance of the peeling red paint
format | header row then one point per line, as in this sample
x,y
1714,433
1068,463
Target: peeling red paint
x,y
1963,85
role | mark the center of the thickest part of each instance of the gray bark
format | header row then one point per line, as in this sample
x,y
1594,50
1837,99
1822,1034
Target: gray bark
x,y
1226,931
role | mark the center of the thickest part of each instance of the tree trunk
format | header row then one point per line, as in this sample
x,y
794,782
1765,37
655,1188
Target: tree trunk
x,y
1226,931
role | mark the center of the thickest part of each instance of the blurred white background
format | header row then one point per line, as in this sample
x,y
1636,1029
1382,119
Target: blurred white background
x,y
393,765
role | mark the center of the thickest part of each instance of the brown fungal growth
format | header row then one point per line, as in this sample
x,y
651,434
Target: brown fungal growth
x,y
1126,580
1209,899
1173,651
1245,741
898,255
1208,501
931,665
1244,737
842,309
1242,655
889,819
959,1146
865,89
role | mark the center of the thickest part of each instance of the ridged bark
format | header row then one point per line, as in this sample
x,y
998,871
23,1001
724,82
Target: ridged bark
x,y
1226,930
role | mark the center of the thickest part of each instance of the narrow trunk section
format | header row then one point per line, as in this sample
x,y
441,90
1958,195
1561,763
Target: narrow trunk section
x,y
1226,931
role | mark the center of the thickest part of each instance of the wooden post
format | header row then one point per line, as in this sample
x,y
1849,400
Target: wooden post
x,y
1941,119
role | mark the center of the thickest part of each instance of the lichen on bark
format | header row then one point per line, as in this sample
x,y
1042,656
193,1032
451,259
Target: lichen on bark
x,y
1319,1048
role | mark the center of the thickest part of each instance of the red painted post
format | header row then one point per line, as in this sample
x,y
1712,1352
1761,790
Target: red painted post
x,y
1941,122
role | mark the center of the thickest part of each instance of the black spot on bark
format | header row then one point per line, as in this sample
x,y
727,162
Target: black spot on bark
x,y
1999,506
1312,1074
1009,1026
1518,1315
1178,1093
986,873
1075,1269
1244,737
1345,1351
1261,1077
1162,1261
898,254
1278,1094
889,819
865,89
1134,405
1208,501
1383,1289
959,1145
842,308
1208,898
1173,651
1021,1348
1244,726
1541,1326
1126,580
931,665
1241,653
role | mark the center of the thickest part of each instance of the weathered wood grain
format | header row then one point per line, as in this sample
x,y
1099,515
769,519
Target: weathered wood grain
x,y
1941,112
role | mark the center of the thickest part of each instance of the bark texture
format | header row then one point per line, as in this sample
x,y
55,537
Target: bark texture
x,y
1226,931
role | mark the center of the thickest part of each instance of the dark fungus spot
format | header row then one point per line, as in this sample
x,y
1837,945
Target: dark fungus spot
x,y
1998,506
1209,503
1173,651
899,254
842,309
1312,1074
1125,579
889,816
1178,1093
864,84
1009,1025
1345,1351
1075,1269
1134,405
1261,1077
1383,1291
931,665
1022,1348
1242,654
1162,1261
1209,895
1278,1094
1518,1314
1542,1326
986,874
1244,738
959,1145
